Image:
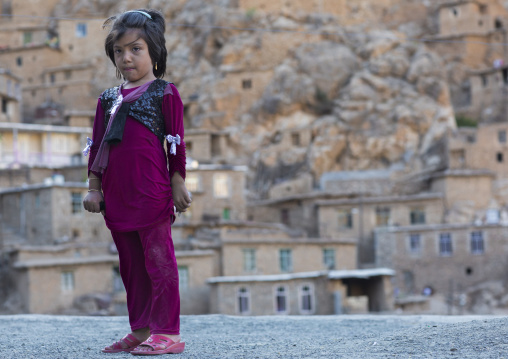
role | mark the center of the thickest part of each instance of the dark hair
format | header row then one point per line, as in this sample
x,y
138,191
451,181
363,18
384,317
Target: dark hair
x,y
151,30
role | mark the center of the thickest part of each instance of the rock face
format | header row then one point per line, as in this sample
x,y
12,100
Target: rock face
x,y
311,96
363,102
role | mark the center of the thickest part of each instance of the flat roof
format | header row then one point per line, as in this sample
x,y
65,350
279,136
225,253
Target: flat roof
x,y
31,127
334,274
51,262
38,186
388,199
289,240
464,173
194,253
266,278
360,273
438,227
217,167
300,196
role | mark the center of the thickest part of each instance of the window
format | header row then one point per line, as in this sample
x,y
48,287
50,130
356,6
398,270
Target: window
x,y
188,147
295,139
492,216
193,182
221,185
19,61
306,299
329,258
183,277
81,30
477,245
118,286
226,214
243,301
501,136
67,281
284,216
37,200
247,84
285,260
27,37
455,12
345,218
445,244
417,215
382,216
76,202
52,78
485,80
499,157
4,105
483,9
281,300
415,244
249,259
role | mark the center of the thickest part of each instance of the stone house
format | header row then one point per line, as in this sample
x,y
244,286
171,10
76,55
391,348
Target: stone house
x,y
437,255
10,94
37,174
488,89
470,17
49,279
52,241
85,279
209,147
217,193
34,144
483,148
266,272
460,186
356,219
469,34
304,293
47,214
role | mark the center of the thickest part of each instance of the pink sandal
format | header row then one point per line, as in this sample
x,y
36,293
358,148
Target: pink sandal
x,y
160,345
130,340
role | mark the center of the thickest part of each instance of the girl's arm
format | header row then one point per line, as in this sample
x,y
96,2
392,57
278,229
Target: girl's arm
x,y
172,108
92,200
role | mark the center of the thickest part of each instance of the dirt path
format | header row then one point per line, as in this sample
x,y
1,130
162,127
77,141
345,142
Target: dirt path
x,y
217,336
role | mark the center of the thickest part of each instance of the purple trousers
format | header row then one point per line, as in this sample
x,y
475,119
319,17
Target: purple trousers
x,y
150,275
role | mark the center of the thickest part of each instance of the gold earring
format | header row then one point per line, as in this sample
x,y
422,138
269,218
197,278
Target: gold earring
x,y
155,66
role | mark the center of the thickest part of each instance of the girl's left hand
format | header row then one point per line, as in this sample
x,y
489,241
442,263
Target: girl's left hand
x,y
181,197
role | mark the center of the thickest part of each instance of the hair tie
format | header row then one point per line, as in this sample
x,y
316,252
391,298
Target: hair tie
x,y
142,12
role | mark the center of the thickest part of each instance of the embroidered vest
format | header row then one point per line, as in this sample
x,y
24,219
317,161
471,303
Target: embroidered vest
x,y
147,109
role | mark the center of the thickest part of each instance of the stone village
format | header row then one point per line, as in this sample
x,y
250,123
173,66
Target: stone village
x,y
329,164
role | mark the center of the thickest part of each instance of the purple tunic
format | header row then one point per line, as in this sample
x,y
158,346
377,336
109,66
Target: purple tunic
x,y
136,183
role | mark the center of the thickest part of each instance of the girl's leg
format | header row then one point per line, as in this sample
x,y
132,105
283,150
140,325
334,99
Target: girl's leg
x,y
135,278
161,266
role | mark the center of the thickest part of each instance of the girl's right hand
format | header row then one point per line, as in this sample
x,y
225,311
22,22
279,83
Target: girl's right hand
x,y
92,202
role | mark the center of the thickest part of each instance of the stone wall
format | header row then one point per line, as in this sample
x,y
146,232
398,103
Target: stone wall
x,y
262,296
306,256
428,268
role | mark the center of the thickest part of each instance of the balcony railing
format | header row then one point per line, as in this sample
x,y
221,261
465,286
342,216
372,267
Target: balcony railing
x,y
7,159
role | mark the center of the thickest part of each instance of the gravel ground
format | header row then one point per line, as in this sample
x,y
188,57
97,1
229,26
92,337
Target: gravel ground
x,y
218,336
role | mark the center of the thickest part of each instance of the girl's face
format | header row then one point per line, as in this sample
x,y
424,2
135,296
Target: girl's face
x,y
133,59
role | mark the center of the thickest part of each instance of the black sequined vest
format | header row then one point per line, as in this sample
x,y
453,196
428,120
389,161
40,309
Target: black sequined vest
x,y
147,109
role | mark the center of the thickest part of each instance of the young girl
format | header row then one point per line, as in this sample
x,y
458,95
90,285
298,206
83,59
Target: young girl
x,y
129,181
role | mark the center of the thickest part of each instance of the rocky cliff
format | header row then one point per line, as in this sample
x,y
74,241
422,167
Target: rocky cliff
x,y
303,93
